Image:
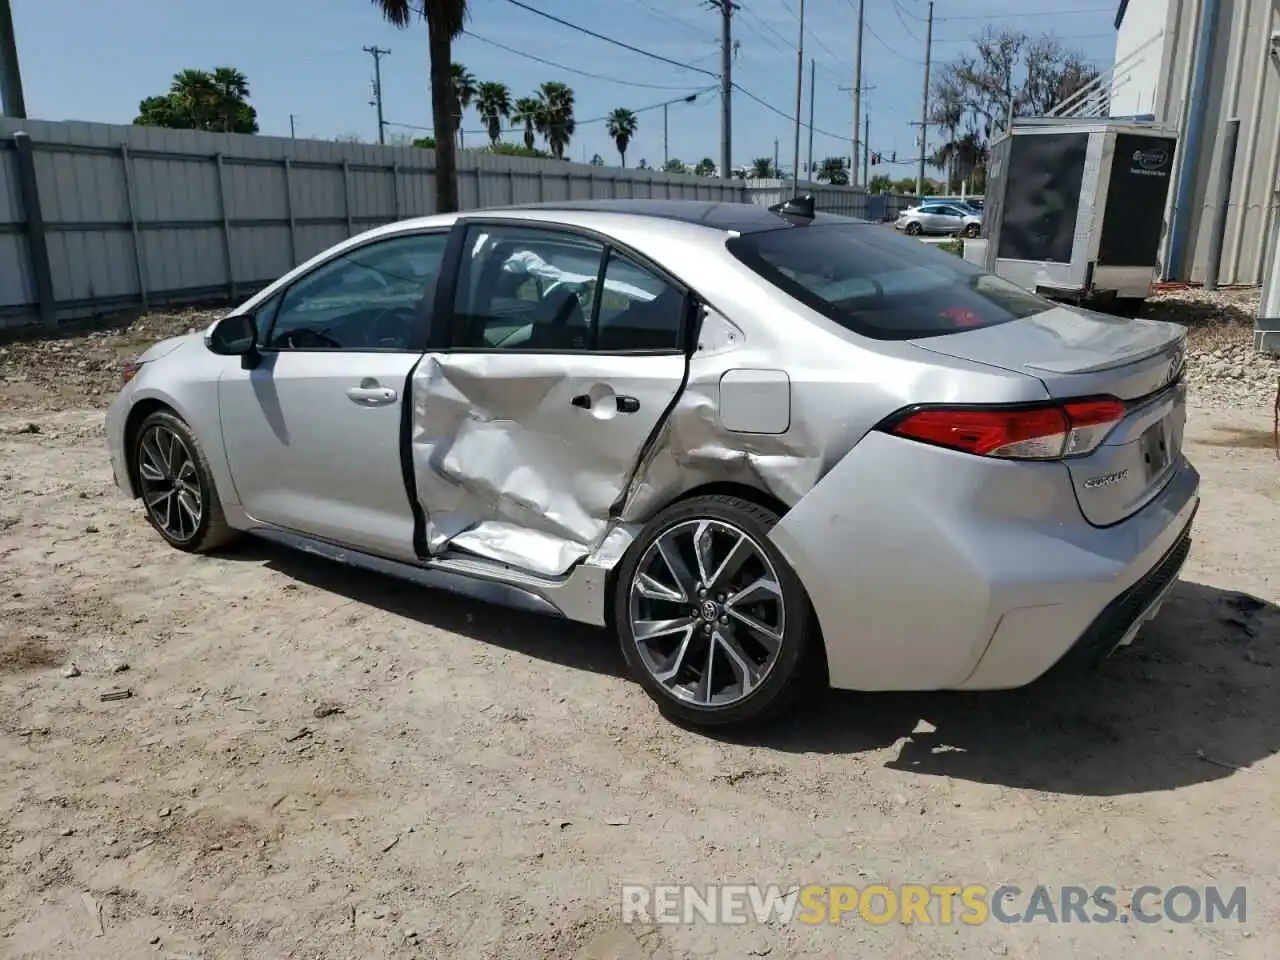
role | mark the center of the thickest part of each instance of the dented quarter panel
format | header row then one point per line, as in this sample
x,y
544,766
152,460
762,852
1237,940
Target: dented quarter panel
x,y
503,472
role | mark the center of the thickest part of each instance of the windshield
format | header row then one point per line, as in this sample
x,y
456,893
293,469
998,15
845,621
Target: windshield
x,y
882,285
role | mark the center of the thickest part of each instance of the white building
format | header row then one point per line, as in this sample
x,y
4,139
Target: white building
x,y
1195,64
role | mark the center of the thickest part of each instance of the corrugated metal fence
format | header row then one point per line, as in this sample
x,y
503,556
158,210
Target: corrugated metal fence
x,y
96,218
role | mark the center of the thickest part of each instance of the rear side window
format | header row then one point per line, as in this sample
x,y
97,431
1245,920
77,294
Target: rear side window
x,y
881,285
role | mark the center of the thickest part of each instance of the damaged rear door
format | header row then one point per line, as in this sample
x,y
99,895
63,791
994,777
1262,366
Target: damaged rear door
x,y
566,355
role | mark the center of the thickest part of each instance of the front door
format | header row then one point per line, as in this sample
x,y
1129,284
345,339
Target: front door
x,y
314,433
566,356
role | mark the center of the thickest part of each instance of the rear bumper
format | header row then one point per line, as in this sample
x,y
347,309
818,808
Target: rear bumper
x,y
929,569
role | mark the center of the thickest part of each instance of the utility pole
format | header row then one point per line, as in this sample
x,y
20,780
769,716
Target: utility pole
x,y
795,176
924,105
866,153
292,134
776,169
813,66
12,103
378,53
666,156
857,93
726,8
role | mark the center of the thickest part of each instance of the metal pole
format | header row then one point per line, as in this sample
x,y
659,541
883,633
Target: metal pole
x,y
292,133
813,66
378,53
1225,170
866,150
799,98
666,156
726,89
12,103
857,92
1266,337
924,105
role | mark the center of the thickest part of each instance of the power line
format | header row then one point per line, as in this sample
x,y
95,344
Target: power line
x,y
675,18
1005,16
843,138
577,123
616,43
816,40
899,11
884,43
561,66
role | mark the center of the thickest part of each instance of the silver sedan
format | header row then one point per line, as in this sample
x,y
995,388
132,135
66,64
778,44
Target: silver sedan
x,y
766,448
940,218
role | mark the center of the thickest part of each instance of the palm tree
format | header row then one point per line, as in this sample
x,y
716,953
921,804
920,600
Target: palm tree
x,y
762,168
463,82
493,101
622,125
833,171
557,116
195,93
528,111
445,20
231,90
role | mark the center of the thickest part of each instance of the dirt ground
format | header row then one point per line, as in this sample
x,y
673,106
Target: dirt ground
x,y
319,763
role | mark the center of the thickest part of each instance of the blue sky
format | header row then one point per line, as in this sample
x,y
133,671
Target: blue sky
x,y
98,61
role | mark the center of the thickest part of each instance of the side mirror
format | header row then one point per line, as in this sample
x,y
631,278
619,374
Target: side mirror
x,y
233,336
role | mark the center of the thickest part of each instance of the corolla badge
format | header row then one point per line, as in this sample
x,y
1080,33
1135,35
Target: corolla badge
x,y
1153,158
1105,480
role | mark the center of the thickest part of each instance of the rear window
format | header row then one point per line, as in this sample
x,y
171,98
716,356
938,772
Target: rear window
x,y
882,285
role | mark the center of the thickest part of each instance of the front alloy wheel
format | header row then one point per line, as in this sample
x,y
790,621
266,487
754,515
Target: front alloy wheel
x,y
170,483
711,619
176,486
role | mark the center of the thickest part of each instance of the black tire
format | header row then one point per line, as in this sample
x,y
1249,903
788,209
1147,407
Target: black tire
x,y
211,531
972,230
798,659
914,229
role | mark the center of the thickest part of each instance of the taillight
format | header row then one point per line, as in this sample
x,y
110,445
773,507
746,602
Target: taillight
x,y
1037,432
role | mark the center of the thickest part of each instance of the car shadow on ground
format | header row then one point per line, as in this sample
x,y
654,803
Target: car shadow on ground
x,y
574,645
1195,699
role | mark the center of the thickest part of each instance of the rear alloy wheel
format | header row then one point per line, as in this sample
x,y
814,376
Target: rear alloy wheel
x,y
913,229
713,622
176,486
972,230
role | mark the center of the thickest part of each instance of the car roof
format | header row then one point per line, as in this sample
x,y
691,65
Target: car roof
x,y
715,214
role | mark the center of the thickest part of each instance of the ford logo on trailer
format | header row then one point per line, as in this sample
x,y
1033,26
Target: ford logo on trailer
x,y
1152,158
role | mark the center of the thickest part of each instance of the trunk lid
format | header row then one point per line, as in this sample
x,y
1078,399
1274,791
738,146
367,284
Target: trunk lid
x,y
1078,353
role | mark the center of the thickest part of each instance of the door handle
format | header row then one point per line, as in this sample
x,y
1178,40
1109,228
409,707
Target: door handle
x,y
372,396
628,404
582,400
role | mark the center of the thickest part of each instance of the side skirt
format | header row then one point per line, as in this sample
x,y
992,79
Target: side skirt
x,y
580,596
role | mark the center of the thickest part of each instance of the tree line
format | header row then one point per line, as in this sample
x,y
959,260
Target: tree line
x,y
1008,74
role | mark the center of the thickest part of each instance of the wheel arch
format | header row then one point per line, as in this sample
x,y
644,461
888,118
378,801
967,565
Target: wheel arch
x,y
132,424
761,498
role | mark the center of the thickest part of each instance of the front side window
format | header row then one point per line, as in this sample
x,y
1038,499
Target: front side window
x,y
369,298
881,285
539,289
